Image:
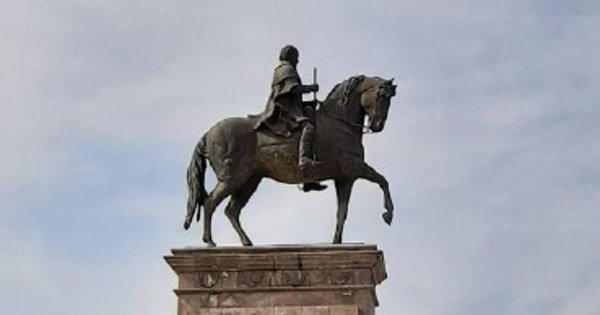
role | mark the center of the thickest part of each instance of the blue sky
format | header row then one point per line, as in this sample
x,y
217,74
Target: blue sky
x,y
491,147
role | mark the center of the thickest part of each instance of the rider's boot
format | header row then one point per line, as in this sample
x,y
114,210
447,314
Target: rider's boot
x,y
316,186
306,154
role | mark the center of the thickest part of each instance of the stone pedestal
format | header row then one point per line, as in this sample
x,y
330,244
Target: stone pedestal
x,y
278,280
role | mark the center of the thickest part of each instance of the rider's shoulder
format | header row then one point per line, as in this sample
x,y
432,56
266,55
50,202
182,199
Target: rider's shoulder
x,y
284,71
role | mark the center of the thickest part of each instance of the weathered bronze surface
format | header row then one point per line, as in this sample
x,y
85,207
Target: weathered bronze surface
x,y
243,151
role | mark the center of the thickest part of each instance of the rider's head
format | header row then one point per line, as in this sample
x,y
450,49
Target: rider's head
x,y
289,53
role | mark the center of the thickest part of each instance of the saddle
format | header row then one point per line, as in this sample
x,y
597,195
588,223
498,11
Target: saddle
x,y
282,130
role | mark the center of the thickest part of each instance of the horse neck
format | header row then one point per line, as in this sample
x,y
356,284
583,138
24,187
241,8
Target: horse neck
x,y
351,114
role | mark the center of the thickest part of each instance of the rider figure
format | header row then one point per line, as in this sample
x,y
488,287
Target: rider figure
x,y
286,111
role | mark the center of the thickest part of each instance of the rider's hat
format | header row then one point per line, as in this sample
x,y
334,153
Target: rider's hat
x,y
289,53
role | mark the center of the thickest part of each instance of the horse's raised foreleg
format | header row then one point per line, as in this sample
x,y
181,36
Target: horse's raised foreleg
x,y
238,200
220,192
367,172
343,188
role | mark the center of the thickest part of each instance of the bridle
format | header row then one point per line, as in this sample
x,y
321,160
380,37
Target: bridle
x,y
364,129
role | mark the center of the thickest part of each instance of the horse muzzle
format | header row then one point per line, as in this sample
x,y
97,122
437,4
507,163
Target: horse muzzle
x,y
376,125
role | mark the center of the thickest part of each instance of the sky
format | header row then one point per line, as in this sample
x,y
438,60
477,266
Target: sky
x,y
491,147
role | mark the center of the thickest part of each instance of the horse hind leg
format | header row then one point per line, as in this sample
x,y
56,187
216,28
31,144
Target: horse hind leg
x,y
238,200
216,196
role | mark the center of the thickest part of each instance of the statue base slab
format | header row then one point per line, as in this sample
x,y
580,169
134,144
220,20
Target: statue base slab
x,y
278,280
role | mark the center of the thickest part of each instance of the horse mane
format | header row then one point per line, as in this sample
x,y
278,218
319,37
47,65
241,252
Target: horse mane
x,y
340,94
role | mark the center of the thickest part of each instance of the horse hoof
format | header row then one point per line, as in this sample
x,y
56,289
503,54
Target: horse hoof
x,y
209,243
389,206
387,217
186,224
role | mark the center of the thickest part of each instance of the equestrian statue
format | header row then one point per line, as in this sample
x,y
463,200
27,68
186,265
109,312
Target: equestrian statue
x,y
292,142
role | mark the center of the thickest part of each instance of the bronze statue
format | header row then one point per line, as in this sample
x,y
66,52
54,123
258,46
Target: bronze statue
x,y
285,110
242,151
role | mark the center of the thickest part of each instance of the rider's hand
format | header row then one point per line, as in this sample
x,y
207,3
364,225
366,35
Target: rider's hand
x,y
314,87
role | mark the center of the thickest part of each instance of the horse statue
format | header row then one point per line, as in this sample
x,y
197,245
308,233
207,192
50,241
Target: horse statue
x,y
242,156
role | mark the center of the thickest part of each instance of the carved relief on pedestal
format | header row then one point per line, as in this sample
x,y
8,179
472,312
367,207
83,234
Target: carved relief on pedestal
x,y
341,277
253,278
293,278
287,278
318,277
207,279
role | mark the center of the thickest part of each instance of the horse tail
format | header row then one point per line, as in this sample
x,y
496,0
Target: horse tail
x,y
195,180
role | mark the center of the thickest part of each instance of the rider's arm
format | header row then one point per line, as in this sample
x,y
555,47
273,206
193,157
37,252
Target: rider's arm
x,y
306,88
298,88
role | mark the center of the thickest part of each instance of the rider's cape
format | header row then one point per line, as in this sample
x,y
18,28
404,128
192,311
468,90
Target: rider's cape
x,y
283,112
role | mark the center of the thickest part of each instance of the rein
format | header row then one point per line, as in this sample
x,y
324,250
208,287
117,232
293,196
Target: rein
x,y
364,128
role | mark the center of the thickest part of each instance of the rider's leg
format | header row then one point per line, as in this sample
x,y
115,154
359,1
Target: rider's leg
x,y
306,154
306,149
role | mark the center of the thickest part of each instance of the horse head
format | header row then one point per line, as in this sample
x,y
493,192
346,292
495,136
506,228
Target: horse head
x,y
375,101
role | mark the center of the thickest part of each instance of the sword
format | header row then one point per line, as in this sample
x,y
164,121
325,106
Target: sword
x,y
315,82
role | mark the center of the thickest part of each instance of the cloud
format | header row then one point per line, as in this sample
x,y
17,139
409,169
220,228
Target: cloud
x,y
490,149
63,284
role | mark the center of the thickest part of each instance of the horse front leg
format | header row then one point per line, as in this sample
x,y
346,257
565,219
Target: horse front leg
x,y
367,172
343,189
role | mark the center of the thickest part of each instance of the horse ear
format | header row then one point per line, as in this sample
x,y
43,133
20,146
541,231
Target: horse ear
x,y
390,83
